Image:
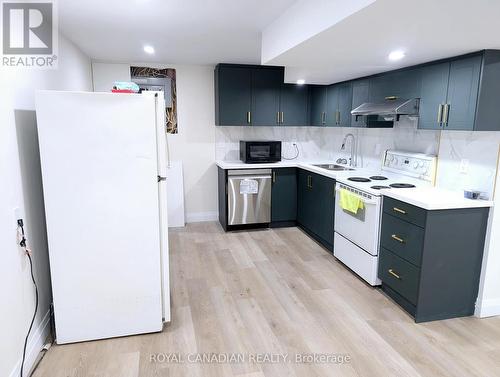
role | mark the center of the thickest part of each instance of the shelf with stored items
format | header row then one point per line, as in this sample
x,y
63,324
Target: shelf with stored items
x,y
430,260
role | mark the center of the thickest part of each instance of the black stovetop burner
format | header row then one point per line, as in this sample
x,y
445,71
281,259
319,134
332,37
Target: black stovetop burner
x,y
377,187
378,178
401,185
359,179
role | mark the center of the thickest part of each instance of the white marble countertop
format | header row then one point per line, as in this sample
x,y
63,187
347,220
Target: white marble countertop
x,y
429,198
307,165
433,198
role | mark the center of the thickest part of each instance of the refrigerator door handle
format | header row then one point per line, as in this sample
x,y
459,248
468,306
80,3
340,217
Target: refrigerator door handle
x,y
160,178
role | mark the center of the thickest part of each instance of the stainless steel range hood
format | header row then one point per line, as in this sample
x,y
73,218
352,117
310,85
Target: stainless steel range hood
x,y
390,108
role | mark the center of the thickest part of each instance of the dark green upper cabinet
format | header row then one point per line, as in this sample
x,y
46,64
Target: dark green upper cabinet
x,y
332,105
294,105
456,95
459,93
266,87
284,195
360,95
399,84
317,105
247,95
433,94
338,105
345,104
463,85
233,95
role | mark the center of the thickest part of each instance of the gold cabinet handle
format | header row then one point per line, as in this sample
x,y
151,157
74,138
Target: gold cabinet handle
x,y
446,113
278,117
309,182
337,117
391,98
323,117
282,117
399,210
249,117
390,270
399,239
440,115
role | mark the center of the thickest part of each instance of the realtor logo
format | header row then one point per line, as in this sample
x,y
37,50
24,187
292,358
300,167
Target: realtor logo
x,y
29,34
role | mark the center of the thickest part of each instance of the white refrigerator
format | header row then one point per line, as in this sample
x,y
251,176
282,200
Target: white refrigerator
x,y
103,158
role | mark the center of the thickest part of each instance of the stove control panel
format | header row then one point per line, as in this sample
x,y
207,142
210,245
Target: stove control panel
x,y
416,165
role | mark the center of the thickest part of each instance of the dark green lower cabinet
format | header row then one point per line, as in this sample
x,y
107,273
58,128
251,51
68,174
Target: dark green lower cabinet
x,y
284,197
315,209
430,261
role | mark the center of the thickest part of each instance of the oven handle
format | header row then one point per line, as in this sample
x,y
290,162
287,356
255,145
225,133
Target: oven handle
x,y
364,200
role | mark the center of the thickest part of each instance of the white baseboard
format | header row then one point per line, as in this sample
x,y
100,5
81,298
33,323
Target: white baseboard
x,y
35,343
487,308
195,217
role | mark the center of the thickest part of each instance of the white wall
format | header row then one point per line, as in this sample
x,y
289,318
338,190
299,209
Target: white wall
x,y
22,188
194,144
481,149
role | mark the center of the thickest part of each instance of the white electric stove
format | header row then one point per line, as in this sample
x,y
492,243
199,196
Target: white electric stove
x,y
356,240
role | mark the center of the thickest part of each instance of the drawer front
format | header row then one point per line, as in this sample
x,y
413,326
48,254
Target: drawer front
x,y
405,211
399,274
402,238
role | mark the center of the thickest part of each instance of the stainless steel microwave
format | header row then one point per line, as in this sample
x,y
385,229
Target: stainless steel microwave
x,y
254,152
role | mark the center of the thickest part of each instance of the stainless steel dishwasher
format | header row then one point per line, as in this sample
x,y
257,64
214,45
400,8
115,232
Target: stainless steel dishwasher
x,y
249,196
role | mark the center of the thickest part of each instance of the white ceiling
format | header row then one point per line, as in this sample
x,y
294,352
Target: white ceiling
x,y
321,41
427,30
181,31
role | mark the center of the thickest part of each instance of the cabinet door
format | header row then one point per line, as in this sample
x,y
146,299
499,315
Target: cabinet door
x,y
345,104
402,84
318,105
360,95
380,87
266,84
463,90
433,93
323,189
233,95
303,199
332,105
293,105
284,195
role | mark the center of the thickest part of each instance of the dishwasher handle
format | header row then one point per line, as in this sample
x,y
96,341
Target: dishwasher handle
x,y
241,177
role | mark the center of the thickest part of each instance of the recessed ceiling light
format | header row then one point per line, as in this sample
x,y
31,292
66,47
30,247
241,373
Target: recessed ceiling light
x,y
149,49
301,81
396,55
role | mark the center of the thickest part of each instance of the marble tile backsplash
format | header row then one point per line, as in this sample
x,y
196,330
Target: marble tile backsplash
x,y
316,143
481,149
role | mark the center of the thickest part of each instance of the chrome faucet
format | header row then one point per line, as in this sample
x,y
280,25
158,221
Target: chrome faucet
x,y
353,161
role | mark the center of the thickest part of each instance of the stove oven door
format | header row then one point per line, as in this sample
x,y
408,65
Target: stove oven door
x,y
362,228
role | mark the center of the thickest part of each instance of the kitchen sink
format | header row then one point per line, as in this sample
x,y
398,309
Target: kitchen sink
x,y
333,167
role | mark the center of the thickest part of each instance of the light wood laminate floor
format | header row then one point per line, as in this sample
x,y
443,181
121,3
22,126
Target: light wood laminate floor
x,y
277,291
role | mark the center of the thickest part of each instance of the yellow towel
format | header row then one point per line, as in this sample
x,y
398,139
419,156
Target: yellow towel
x,y
350,202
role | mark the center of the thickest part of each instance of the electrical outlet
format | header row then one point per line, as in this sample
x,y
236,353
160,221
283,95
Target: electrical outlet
x,y
464,166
